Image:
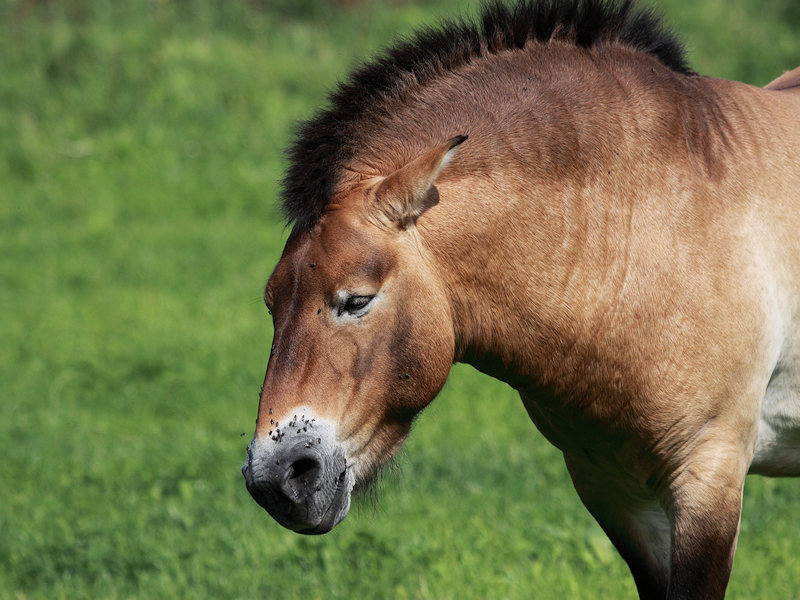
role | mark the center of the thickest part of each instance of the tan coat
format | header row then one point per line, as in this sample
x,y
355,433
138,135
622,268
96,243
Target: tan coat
x,y
615,239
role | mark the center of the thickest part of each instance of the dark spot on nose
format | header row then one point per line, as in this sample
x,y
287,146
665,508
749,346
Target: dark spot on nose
x,y
301,477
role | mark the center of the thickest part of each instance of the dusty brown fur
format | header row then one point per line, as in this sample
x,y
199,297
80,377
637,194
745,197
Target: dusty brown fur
x,y
615,239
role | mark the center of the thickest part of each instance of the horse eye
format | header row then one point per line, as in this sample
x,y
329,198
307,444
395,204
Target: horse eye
x,y
355,304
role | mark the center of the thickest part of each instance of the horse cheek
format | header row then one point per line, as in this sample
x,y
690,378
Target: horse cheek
x,y
420,364
342,353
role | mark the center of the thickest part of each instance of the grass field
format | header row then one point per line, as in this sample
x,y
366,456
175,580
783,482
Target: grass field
x,y
140,148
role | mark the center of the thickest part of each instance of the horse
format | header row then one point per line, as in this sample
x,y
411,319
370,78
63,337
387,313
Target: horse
x,y
553,196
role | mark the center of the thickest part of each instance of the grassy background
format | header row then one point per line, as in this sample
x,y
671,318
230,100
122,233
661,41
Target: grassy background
x,y
139,153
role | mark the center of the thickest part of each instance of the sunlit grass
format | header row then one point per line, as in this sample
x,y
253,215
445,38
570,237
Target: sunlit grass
x,y
140,148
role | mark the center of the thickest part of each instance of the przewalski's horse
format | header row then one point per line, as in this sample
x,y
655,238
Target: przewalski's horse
x,y
555,198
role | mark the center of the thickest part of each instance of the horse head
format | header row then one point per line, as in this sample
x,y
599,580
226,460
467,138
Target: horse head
x,y
363,341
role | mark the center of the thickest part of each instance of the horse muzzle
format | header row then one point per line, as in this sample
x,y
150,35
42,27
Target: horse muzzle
x,y
299,475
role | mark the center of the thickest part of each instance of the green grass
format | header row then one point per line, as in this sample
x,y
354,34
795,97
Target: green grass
x,y
140,148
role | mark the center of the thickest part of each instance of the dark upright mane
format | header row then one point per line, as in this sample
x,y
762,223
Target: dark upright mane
x,y
324,141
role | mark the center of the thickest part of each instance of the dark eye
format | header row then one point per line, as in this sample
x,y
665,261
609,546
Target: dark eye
x,y
355,305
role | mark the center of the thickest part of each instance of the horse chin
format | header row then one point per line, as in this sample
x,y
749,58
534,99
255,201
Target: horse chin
x,y
337,509
317,514
363,490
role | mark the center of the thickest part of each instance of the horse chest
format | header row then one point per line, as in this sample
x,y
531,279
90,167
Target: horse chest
x,y
599,441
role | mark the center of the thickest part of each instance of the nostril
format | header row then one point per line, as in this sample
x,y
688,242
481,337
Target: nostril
x,y
303,476
303,468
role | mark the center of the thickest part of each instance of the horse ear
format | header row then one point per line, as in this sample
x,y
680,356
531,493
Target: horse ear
x,y
408,192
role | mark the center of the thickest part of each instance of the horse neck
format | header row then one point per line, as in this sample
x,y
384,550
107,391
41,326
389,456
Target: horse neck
x,y
532,235
536,245
528,280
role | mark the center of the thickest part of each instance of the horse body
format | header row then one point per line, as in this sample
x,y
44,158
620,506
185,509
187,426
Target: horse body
x,y
614,238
